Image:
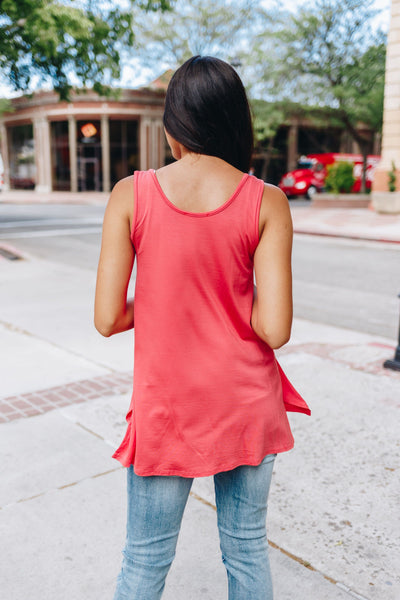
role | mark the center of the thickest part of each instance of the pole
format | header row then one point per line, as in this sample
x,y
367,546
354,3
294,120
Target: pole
x,y
395,363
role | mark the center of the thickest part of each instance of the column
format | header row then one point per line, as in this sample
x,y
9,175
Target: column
x,y
41,134
293,136
160,158
382,199
73,154
105,152
4,154
144,143
151,140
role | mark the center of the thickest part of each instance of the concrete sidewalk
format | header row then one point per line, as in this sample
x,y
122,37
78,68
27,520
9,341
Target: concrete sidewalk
x,y
32,197
353,223
333,512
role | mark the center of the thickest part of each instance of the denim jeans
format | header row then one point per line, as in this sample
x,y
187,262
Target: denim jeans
x,y
155,509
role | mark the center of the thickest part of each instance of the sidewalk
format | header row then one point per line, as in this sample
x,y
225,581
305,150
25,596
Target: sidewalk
x,y
354,223
333,511
333,515
32,197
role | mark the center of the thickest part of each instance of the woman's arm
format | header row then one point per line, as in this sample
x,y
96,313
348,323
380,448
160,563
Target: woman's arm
x,y
272,312
113,312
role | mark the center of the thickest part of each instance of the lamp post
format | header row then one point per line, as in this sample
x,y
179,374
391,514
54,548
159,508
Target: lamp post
x,y
395,363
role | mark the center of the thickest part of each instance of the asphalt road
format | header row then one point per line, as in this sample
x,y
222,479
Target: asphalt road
x,y
346,283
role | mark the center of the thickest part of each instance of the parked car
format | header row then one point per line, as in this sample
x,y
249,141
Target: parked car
x,y
309,178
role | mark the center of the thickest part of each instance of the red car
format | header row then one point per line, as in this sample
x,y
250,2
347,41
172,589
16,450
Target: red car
x,y
309,178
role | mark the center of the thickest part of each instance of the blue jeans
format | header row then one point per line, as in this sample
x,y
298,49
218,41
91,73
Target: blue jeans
x,y
155,510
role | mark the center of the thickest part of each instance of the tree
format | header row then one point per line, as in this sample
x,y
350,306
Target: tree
x,y
215,27
267,118
329,58
65,40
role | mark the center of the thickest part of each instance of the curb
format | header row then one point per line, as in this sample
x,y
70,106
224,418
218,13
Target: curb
x,y
349,236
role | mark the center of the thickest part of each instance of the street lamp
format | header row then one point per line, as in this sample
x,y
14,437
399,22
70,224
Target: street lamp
x,y
395,363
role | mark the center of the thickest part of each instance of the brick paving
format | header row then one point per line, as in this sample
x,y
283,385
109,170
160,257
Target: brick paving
x,y
359,360
368,358
41,401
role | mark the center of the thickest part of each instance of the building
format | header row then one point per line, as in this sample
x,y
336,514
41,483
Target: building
x,y
384,200
298,137
86,144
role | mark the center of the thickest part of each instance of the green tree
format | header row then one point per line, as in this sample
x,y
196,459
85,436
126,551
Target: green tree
x,y
267,118
340,178
65,40
216,27
328,57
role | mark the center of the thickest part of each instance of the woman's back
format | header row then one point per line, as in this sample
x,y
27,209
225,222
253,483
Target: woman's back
x,y
199,184
201,373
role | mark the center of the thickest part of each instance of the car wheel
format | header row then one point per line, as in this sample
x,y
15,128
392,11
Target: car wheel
x,y
312,190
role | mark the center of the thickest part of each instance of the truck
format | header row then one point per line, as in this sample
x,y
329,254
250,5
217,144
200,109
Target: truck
x,y
309,178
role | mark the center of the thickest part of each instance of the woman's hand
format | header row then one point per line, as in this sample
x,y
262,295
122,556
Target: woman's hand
x,y
272,313
113,313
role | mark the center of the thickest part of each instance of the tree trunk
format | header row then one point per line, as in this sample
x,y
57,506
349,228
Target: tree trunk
x,y
363,144
364,151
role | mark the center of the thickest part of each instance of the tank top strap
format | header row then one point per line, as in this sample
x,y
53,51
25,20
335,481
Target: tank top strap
x,y
142,186
244,205
249,206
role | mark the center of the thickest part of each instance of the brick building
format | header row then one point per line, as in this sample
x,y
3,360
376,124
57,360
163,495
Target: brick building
x,y
85,144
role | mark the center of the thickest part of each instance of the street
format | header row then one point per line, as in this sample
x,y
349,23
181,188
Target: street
x,y
346,283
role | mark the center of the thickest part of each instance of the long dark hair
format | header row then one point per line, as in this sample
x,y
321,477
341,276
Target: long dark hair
x,y
206,110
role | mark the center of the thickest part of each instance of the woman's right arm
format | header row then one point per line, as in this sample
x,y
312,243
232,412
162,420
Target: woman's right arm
x,y
272,312
113,311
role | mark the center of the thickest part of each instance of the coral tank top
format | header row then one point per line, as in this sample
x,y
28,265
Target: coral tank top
x,y
208,393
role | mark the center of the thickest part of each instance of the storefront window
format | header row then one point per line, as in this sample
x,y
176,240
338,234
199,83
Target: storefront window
x,y
124,152
89,156
61,173
22,157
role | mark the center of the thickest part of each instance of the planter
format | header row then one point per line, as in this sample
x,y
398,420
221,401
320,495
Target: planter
x,y
325,200
386,202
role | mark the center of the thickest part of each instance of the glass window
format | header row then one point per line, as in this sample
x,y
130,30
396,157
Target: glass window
x,y
61,172
124,149
90,173
22,157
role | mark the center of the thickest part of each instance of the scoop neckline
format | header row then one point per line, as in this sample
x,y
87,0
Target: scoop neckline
x,y
199,214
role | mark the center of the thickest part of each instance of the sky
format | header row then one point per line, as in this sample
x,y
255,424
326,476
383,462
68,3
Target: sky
x,y
134,75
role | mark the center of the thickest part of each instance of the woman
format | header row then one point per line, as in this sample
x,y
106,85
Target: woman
x,y
209,397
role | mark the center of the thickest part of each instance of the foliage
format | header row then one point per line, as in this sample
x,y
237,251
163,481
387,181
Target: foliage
x,y
5,106
319,43
218,28
340,178
58,40
267,118
392,178
328,57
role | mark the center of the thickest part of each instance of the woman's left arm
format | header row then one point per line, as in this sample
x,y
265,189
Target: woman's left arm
x,y
113,312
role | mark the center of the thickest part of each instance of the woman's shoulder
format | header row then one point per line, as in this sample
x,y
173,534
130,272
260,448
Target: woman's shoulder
x,y
122,197
123,186
274,199
274,206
